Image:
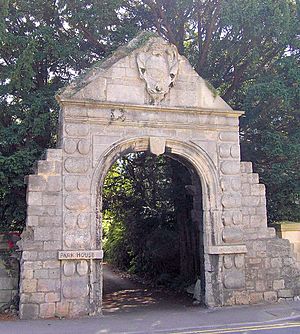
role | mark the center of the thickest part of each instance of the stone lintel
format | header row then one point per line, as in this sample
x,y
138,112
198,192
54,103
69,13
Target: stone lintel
x,y
227,249
96,254
110,105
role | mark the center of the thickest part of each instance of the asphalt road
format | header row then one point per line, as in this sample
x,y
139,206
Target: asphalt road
x,y
292,327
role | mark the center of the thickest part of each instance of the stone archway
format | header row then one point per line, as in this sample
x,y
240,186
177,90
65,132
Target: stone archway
x,y
189,154
125,104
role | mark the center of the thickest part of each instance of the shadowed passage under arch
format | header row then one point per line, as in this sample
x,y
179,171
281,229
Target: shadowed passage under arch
x,y
152,222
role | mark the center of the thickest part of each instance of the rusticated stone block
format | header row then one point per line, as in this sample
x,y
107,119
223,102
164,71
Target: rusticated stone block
x,y
76,165
236,184
83,220
54,154
230,167
69,268
51,264
231,201
70,221
239,261
52,199
36,183
54,273
70,145
48,285
54,183
29,255
260,286
47,310
228,261
228,136
41,273
278,284
62,309
82,268
29,311
29,285
52,245
52,297
285,293
47,233
49,255
83,146
34,198
246,167
232,235
235,151
242,298
79,239
77,130
32,220
256,297
37,297
270,296
70,182
251,201
49,167
224,150
276,262
75,288
76,202
234,279
83,184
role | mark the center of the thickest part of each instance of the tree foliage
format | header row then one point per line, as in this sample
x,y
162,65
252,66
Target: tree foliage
x,y
42,47
143,230
249,50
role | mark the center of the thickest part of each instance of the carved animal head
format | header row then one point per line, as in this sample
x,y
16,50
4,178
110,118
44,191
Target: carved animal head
x,y
158,66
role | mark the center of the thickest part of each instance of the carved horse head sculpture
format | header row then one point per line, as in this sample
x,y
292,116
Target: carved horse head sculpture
x,y
158,66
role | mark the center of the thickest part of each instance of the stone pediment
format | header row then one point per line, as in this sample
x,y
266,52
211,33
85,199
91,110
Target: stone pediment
x,y
147,71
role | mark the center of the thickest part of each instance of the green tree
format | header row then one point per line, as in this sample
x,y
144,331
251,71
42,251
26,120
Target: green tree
x,y
236,45
249,50
42,46
271,136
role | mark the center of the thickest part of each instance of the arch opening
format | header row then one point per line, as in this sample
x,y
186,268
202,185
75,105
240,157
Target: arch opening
x,y
193,158
152,227
204,201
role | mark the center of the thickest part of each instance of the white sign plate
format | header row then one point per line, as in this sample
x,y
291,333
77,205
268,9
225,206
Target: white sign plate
x,y
96,254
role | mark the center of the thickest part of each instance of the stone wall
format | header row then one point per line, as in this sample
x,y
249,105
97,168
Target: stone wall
x,y
40,282
9,271
271,270
290,231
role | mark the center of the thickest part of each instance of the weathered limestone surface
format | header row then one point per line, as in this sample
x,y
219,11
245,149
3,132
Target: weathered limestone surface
x,y
126,104
291,231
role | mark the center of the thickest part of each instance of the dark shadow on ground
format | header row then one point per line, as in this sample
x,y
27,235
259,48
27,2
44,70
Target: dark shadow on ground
x,y
120,294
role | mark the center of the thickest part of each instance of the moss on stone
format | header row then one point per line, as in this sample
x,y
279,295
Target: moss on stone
x,y
83,80
211,88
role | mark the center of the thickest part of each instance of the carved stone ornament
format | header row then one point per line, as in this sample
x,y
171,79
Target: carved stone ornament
x,y
158,66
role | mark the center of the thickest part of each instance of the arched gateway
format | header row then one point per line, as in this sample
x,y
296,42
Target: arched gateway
x,y
146,97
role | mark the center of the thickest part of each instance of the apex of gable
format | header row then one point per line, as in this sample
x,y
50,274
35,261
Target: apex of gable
x,y
146,71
